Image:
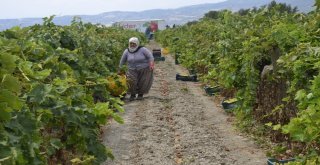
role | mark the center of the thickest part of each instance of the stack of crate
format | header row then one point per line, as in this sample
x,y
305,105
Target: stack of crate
x,y
157,55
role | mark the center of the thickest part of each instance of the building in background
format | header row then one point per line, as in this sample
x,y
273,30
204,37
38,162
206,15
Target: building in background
x,y
148,26
142,25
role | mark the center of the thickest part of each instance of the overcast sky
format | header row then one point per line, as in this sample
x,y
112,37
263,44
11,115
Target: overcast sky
x,y
44,8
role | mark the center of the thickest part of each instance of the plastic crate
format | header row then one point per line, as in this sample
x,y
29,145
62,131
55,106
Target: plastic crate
x,y
229,106
156,53
159,59
211,90
186,78
272,161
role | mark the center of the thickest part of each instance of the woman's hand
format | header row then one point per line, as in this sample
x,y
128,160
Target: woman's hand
x,y
151,65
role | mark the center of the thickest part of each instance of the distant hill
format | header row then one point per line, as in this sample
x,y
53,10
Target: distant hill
x,y
171,16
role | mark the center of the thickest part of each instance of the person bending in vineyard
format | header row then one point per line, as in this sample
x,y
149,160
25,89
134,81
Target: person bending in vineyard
x,y
140,62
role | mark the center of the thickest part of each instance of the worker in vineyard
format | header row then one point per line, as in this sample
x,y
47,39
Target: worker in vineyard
x,y
140,62
147,32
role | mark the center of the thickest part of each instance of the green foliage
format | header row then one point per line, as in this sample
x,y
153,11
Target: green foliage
x,y
317,4
49,76
231,50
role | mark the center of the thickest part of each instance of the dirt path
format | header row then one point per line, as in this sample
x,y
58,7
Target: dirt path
x,y
177,124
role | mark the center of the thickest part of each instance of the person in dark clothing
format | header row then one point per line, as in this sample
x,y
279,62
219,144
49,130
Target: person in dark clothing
x,y
148,33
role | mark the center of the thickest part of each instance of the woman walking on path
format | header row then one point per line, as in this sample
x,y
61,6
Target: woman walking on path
x,y
140,63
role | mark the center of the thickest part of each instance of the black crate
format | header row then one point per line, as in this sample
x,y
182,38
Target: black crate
x,y
186,78
272,161
212,90
156,53
229,106
159,59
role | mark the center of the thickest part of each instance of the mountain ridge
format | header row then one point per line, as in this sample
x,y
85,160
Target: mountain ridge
x,y
176,16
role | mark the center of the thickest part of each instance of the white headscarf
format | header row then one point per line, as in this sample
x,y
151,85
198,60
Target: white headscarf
x,y
136,41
